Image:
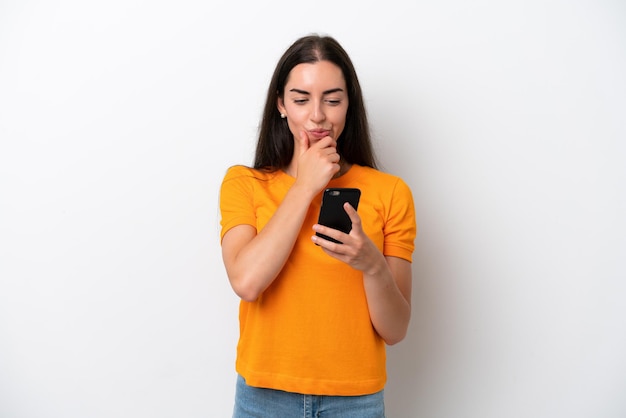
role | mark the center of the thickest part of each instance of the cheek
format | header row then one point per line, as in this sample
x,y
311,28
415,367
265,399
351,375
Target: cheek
x,y
339,119
340,125
295,126
296,114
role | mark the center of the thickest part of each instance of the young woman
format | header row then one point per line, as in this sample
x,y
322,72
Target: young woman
x,y
315,315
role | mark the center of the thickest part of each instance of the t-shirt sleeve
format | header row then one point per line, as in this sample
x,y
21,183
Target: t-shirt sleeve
x,y
237,199
400,228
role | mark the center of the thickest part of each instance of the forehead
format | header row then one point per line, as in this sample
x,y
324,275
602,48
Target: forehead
x,y
321,75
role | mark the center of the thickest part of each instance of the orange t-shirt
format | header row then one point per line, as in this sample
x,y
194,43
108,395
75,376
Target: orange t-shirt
x,y
310,331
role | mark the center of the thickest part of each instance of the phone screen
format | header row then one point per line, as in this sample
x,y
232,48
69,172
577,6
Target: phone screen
x,y
332,213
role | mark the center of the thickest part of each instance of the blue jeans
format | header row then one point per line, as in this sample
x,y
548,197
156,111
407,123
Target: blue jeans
x,y
251,402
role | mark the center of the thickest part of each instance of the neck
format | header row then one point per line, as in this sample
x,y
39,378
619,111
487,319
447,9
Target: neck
x,y
343,168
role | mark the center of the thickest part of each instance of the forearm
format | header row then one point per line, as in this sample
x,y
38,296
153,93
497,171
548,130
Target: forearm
x,y
390,310
258,262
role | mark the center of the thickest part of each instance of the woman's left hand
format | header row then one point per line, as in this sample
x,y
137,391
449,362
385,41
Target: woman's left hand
x,y
356,249
386,280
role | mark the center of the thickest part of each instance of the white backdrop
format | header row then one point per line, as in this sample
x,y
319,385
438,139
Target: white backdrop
x,y
118,120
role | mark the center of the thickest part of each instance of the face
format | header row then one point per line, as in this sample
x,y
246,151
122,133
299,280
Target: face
x,y
315,100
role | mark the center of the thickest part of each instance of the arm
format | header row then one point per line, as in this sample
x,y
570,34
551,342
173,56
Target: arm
x,y
387,280
254,260
388,293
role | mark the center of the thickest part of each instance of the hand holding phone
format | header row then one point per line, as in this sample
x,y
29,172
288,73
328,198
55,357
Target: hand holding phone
x,y
332,214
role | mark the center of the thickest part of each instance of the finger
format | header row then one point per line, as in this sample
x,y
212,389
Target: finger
x,y
327,233
328,148
352,213
332,144
326,143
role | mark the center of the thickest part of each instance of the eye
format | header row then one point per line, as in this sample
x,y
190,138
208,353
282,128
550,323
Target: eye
x,y
333,102
300,101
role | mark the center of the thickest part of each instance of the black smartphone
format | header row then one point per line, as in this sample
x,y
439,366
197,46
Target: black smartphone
x,y
332,213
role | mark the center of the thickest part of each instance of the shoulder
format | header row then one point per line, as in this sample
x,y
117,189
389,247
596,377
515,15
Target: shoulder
x,y
242,172
389,181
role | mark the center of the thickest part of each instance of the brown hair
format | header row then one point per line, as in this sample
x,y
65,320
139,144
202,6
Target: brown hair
x,y
275,145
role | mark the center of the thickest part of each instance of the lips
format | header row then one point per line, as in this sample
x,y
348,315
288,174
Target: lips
x,y
319,133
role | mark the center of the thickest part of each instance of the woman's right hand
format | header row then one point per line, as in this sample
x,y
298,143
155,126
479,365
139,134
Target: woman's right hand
x,y
317,162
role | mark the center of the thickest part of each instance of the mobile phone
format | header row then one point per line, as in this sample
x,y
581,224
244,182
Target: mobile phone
x,y
332,214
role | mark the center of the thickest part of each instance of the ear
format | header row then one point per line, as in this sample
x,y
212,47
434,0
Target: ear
x,y
280,104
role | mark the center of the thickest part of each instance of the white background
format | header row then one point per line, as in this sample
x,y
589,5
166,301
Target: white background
x,y
118,120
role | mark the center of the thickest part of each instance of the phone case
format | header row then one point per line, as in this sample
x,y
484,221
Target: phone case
x,y
332,213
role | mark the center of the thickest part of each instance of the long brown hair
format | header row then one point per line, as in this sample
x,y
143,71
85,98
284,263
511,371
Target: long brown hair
x,y
275,145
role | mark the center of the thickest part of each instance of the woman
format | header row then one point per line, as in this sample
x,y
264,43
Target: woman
x,y
315,315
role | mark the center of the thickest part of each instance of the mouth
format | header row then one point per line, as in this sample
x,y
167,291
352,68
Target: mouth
x,y
319,133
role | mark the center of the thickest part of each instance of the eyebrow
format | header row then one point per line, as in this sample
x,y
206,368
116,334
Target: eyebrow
x,y
335,90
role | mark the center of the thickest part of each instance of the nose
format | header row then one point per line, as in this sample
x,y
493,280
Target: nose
x,y
317,113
